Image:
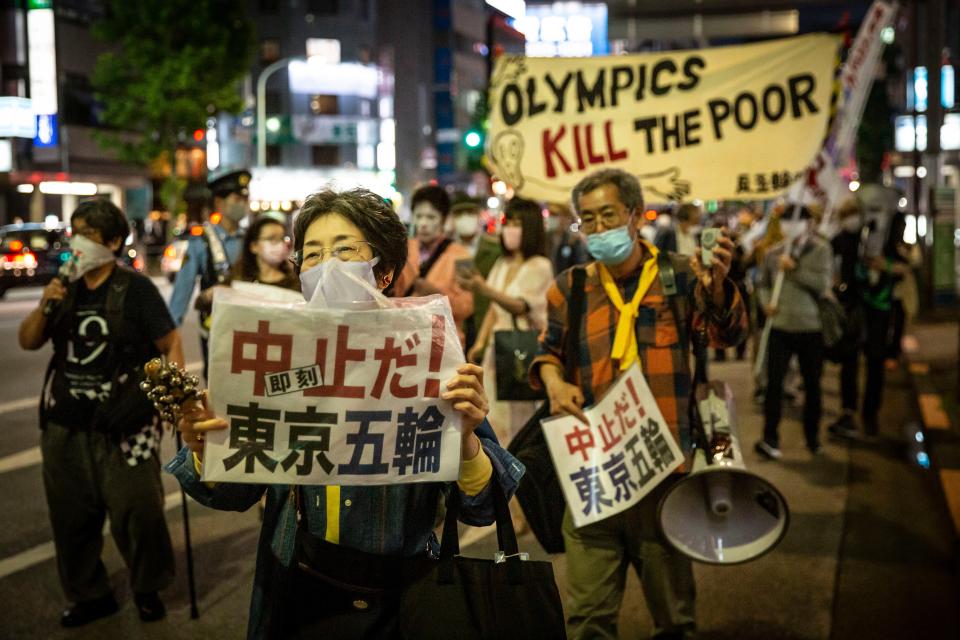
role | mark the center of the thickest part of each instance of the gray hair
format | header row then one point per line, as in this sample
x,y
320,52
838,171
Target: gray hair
x,y
627,186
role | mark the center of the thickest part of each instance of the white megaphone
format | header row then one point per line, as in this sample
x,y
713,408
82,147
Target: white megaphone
x,y
721,513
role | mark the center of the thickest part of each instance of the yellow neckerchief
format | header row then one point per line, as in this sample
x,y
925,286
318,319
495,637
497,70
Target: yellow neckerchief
x,y
625,339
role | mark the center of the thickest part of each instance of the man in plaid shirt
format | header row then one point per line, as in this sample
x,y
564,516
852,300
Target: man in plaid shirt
x,y
629,317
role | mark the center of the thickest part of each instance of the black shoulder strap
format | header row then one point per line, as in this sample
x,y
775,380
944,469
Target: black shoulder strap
x,y
432,260
668,282
576,305
116,295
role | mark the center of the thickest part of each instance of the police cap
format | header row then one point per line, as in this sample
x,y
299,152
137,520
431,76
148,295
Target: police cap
x,y
222,184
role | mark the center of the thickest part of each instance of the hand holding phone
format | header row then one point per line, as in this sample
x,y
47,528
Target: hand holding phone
x,y
708,240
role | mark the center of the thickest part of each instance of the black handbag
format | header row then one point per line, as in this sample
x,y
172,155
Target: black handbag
x,y
539,494
513,352
471,598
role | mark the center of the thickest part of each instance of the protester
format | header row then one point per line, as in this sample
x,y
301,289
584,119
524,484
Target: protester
x,y
382,524
100,438
754,260
431,256
210,256
898,253
566,247
265,255
517,286
610,206
805,259
682,236
464,219
865,288
484,250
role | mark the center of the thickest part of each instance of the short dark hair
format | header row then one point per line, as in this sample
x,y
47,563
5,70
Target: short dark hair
x,y
378,222
628,187
688,212
247,267
105,217
534,237
433,194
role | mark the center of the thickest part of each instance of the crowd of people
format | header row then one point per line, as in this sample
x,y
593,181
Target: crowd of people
x,y
645,290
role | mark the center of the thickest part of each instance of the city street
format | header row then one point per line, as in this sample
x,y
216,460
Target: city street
x,y
869,553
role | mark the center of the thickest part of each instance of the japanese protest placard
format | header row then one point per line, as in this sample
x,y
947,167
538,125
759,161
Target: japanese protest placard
x,y
332,396
625,451
737,122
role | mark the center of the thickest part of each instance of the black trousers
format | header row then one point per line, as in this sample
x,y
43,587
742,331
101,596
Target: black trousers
x,y
87,479
876,326
808,347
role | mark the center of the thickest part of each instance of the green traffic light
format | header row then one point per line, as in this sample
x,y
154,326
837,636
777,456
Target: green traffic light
x,y
472,139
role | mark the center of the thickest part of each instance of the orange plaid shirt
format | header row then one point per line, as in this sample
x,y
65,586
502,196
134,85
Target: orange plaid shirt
x,y
664,361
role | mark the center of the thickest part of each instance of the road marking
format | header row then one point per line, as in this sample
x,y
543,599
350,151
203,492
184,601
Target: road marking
x,y
19,405
31,456
20,460
46,551
934,417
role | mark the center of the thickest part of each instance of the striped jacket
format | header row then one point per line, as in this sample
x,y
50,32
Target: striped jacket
x,y
664,361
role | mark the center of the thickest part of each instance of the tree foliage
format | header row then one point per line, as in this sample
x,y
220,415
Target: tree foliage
x,y
173,63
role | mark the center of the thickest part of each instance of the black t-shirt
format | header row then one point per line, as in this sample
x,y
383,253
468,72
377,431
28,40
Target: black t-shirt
x,y
88,364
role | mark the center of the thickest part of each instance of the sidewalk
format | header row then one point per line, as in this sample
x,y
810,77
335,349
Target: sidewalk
x,y
869,552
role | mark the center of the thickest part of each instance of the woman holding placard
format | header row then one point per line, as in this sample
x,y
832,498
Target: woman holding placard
x,y
328,555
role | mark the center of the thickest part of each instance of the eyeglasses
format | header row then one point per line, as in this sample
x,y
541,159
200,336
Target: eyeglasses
x,y
344,251
610,220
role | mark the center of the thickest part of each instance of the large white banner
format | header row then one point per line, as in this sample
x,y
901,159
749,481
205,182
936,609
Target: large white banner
x,y
326,396
739,122
626,450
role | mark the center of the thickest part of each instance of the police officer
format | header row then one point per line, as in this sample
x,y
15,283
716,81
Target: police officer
x,y
210,256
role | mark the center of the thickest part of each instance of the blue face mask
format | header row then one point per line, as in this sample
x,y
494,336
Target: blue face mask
x,y
611,247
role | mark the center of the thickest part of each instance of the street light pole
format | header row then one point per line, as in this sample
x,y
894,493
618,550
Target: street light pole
x,y
262,106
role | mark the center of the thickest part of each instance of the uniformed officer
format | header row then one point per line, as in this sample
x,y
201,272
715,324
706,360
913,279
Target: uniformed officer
x,y
210,256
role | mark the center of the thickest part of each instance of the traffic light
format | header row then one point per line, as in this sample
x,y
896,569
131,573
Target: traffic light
x,y
473,139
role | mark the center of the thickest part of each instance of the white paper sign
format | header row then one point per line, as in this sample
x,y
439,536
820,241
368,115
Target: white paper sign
x,y
626,450
362,404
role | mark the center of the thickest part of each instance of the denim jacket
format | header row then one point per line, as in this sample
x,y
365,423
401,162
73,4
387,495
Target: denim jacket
x,y
394,520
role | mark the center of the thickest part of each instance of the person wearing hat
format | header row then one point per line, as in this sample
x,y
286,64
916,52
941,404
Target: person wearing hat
x,y
210,256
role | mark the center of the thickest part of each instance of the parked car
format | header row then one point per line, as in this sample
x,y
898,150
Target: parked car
x,y
173,253
30,254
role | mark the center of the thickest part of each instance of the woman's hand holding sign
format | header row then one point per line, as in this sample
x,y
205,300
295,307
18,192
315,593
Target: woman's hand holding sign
x,y
465,391
196,421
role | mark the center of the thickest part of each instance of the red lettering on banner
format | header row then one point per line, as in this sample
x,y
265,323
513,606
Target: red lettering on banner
x,y
386,356
343,355
610,439
585,151
431,387
613,153
550,150
580,440
260,364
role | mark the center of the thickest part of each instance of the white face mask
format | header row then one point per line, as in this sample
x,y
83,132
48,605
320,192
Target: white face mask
x,y
332,282
466,225
87,256
851,224
274,253
794,228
